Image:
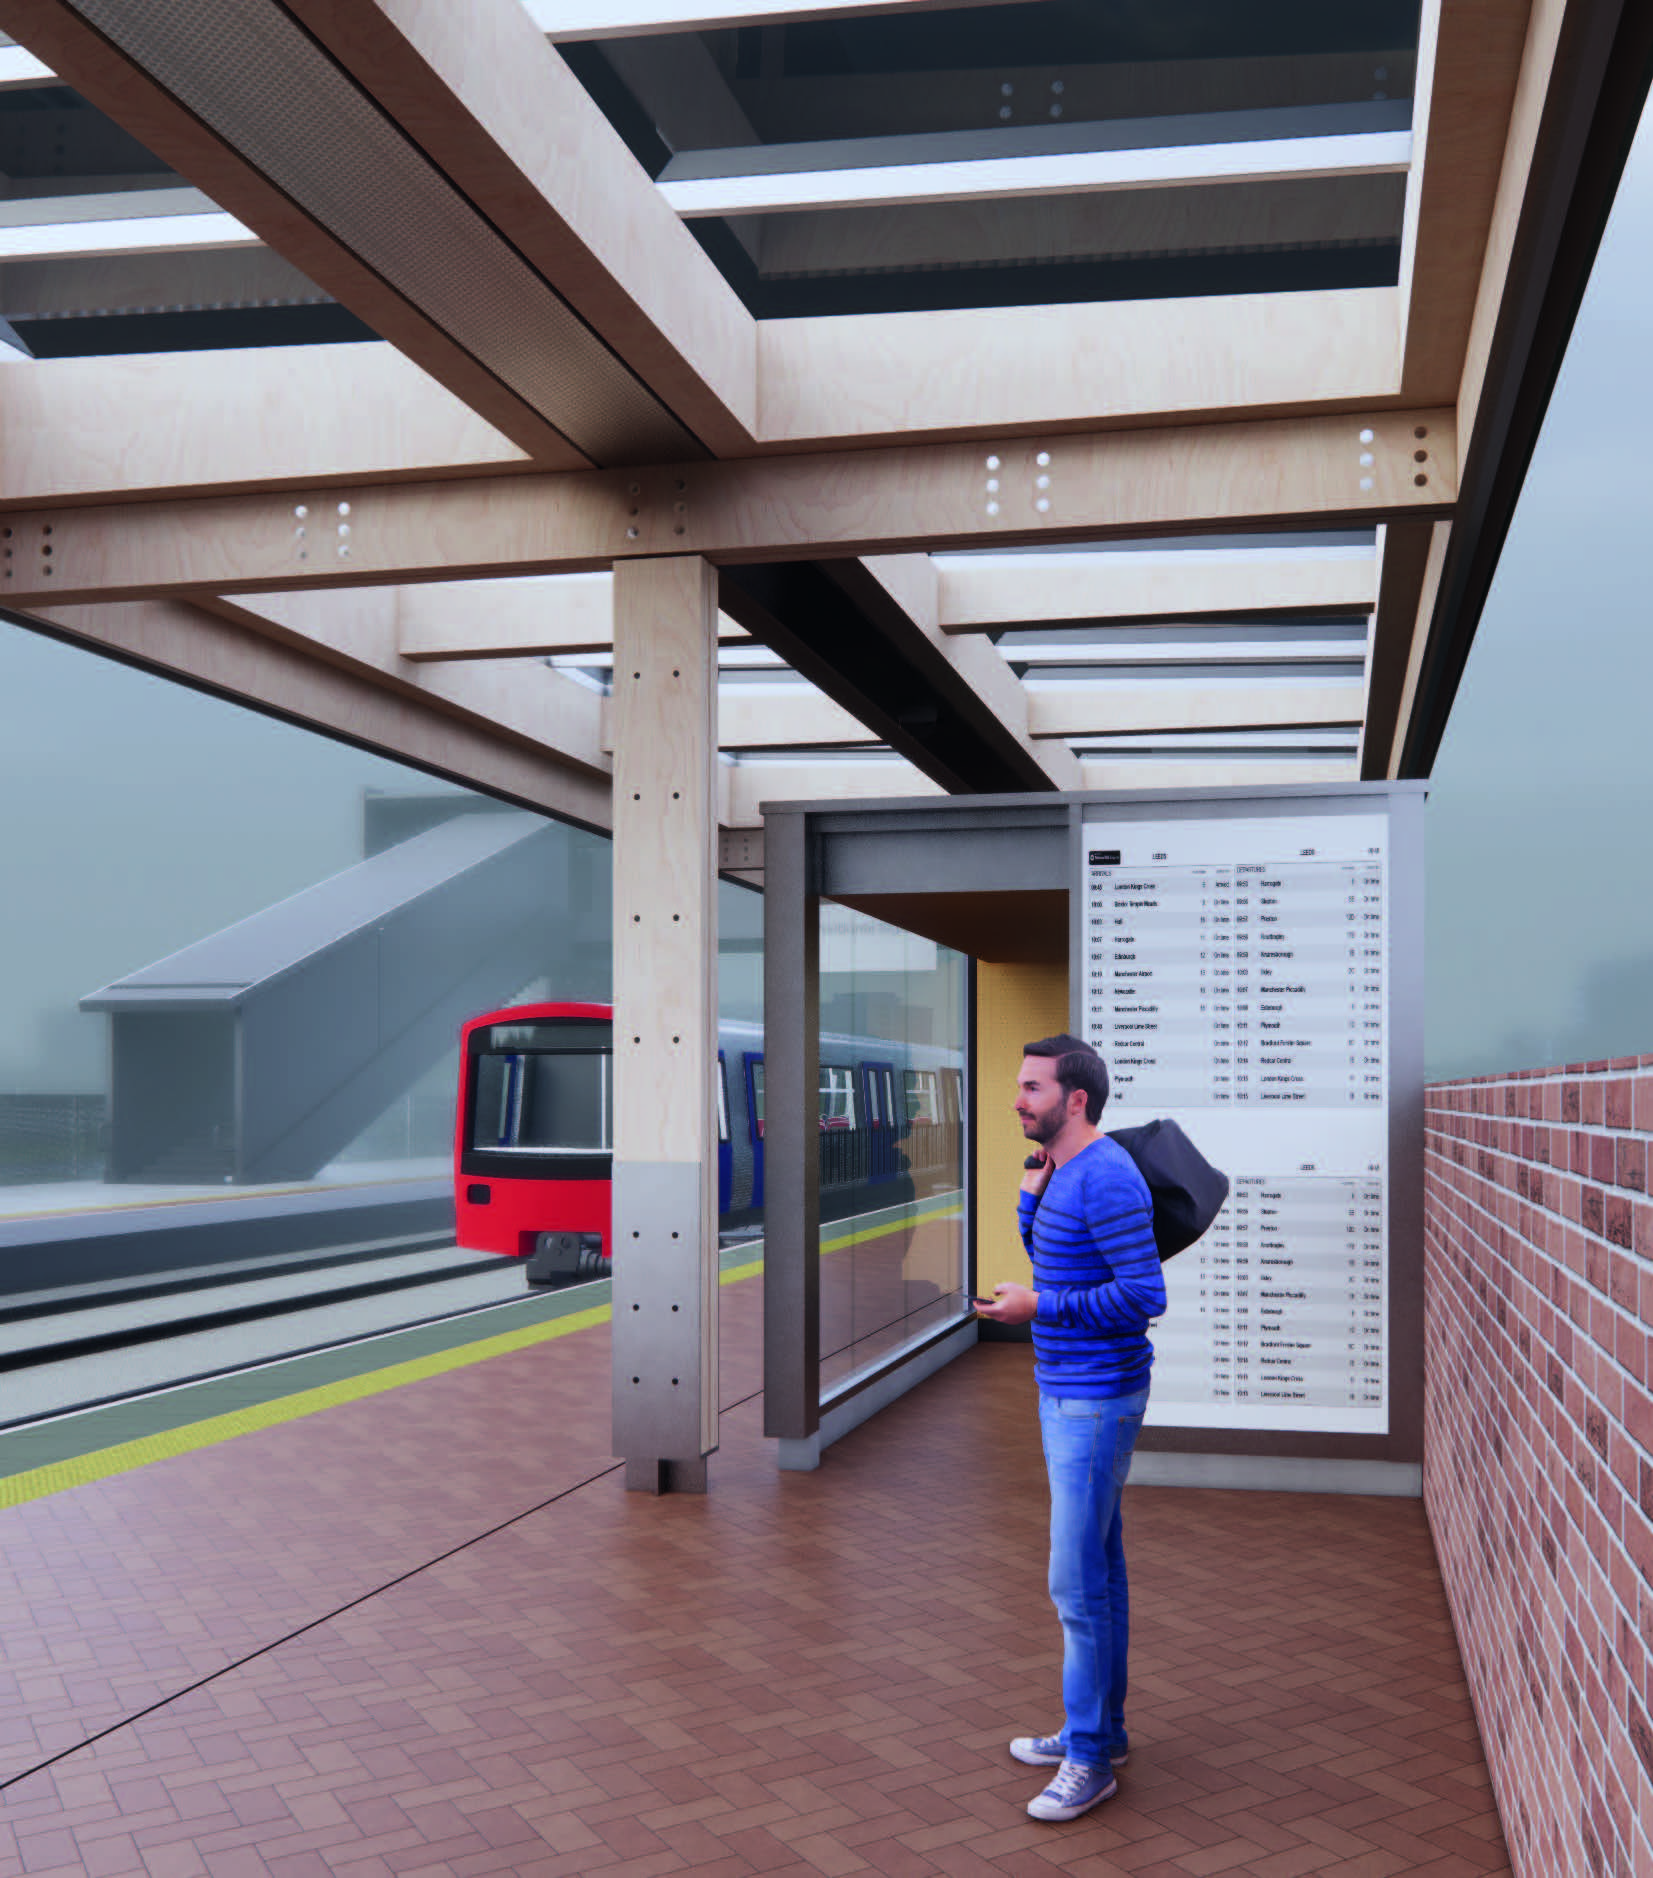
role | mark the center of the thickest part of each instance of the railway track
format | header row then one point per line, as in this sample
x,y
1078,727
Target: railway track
x,y
84,1345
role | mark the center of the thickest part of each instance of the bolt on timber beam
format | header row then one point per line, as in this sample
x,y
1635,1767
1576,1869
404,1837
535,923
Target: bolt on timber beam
x,y
1298,472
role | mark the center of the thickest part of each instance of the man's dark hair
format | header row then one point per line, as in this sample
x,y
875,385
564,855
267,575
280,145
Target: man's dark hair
x,y
1077,1067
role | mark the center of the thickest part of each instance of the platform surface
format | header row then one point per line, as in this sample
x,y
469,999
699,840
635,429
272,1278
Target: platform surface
x,y
423,1629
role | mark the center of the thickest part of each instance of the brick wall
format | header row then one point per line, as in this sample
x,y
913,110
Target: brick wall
x,y
1538,1469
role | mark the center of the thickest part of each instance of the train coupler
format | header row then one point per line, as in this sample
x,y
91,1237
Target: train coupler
x,y
565,1258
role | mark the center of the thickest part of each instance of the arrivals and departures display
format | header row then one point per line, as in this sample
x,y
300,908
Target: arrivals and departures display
x,y
1235,978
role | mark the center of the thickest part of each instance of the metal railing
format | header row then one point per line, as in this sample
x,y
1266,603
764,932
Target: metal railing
x,y
52,1137
848,1154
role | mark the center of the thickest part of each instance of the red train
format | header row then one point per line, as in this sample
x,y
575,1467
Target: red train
x,y
534,1131
533,1136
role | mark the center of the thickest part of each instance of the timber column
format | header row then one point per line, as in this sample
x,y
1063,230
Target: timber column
x,y
664,1242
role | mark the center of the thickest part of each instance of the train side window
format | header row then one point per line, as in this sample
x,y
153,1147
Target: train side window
x,y
875,1105
722,1098
837,1096
952,1096
922,1089
754,1084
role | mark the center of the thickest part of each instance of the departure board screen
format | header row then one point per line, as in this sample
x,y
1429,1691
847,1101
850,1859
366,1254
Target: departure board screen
x,y
1236,980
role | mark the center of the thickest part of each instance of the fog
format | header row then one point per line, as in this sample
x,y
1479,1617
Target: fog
x,y
1540,917
140,816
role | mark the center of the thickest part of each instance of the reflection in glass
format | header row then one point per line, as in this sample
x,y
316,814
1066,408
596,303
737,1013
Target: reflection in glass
x,y
838,1096
893,1037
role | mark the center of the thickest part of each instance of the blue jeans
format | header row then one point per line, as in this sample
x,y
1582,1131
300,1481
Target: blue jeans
x,y
1088,1446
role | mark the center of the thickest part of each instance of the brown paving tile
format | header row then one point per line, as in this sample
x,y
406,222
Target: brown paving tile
x,y
129,1590
776,1677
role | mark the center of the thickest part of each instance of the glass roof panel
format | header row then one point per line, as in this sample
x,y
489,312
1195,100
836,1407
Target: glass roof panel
x,y
101,254
830,112
1280,237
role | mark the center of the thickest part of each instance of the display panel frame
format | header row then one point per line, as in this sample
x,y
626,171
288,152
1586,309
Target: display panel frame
x,y
989,875
1402,806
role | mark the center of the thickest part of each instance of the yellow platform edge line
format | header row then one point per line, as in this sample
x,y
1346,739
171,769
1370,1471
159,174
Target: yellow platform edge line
x,y
102,1463
951,1209
81,1469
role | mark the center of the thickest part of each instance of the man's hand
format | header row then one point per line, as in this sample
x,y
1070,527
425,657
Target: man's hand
x,y
1037,1177
1012,1304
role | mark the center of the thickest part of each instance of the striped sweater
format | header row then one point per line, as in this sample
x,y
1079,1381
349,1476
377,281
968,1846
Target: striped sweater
x,y
1091,1239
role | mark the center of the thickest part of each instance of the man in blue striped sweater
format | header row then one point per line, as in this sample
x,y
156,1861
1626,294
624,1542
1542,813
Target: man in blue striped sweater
x,y
1087,1223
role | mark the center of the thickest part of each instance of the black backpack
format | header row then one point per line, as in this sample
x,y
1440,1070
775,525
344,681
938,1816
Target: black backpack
x,y
1187,1191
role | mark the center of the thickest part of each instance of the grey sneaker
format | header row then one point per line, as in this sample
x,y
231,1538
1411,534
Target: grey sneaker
x,y
1039,1750
1048,1751
1075,1790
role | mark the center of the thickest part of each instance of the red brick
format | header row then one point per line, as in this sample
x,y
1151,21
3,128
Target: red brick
x,y
1630,1343
1539,1301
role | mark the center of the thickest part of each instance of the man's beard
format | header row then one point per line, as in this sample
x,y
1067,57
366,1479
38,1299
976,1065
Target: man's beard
x,y
1042,1127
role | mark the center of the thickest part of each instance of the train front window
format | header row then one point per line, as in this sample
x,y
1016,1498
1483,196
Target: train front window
x,y
543,1089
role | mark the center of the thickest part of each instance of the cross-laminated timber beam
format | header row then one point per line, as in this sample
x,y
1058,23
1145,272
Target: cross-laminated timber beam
x,y
1469,64
243,115
865,633
356,628
981,370
1410,558
511,618
765,719
751,785
748,719
1585,67
505,119
1147,586
1226,704
1295,472
1418,646
246,663
180,424
1213,773
902,678
973,669
847,175
99,428
607,19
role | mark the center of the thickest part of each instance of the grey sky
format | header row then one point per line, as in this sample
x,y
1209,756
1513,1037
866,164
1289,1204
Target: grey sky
x,y
1540,883
141,815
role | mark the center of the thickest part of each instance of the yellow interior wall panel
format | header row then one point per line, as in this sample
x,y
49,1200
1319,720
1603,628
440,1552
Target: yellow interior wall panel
x,y
1014,1004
